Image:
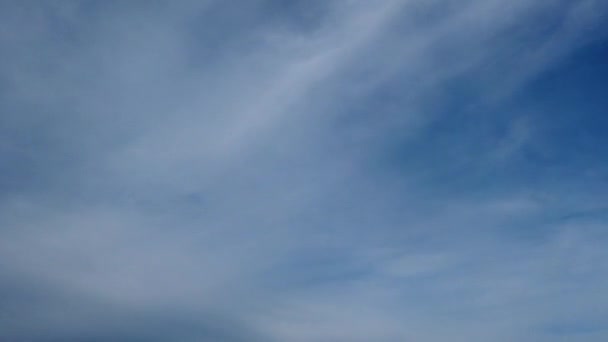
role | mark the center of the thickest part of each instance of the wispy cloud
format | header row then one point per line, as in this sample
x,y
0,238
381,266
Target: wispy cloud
x,y
299,171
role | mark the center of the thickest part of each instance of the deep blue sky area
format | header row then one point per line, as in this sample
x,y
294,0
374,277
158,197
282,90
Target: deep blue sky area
x,y
304,171
575,88
566,102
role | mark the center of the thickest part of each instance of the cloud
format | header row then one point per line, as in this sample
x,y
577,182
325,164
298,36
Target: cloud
x,y
296,171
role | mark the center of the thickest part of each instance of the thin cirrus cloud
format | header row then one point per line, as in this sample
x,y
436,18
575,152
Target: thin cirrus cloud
x,y
303,171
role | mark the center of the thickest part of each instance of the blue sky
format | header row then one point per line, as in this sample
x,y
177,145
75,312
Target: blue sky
x,y
293,171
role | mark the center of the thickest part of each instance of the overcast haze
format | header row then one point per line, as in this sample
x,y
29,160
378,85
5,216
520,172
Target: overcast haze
x,y
290,170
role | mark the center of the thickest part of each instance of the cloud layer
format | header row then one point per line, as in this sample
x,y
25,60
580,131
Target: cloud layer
x,y
303,171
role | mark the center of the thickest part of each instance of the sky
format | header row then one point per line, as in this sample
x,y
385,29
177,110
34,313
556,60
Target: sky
x,y
304,170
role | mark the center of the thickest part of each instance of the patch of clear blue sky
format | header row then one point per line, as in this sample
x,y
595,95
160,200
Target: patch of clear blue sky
x,y
567,102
